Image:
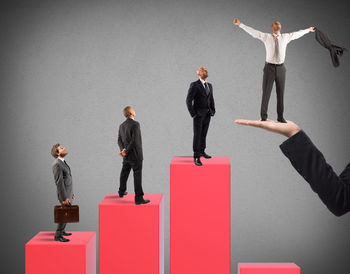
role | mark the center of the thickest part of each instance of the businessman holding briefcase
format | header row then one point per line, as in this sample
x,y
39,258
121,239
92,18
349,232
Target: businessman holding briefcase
x,y
63,180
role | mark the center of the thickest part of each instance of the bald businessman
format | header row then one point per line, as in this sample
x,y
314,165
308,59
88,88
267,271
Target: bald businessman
x,y
130,144
274,69
201,106
309,162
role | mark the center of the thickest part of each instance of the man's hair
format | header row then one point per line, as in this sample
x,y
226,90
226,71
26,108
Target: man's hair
x,y
54,150
127,111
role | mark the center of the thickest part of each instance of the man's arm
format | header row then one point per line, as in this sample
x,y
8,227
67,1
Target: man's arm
x,y
212,99
253,32
333,190
189,100
58,176
120,142
298,34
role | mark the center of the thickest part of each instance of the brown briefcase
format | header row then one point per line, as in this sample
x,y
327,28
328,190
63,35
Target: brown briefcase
x,y
66,214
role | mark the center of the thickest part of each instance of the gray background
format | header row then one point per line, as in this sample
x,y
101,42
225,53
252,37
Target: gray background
x,y
69,67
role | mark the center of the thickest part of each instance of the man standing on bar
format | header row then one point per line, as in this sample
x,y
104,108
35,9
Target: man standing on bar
x,y
201,106
274,70
63,180
130,144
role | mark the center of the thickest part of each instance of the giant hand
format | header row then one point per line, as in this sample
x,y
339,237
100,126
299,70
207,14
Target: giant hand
x,y
287,129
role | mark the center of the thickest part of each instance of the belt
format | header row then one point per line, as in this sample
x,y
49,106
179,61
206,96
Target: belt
x,y
267,63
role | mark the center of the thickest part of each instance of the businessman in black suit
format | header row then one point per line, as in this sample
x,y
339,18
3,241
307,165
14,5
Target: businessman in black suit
x,y
63,180
130,144
333,190
201,106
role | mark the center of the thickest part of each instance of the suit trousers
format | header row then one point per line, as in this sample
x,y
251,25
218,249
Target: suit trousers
x,y
273,73
136,166
60,228
200,130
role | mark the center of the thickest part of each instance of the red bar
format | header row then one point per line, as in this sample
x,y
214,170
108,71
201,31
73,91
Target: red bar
x,y
200,216
43,255
268,268
131,237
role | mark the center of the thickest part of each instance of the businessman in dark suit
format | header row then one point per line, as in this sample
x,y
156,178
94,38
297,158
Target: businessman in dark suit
x,y
333,190
63,180
201,106
130,144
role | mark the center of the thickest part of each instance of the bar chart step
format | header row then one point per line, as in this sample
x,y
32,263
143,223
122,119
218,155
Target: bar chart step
x,y
43,255
131,237
200,216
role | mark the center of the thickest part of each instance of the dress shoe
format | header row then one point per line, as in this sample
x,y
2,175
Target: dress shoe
x,y
61,239
197,161
206,156
281,120
66,233
121,195
263,119
141,201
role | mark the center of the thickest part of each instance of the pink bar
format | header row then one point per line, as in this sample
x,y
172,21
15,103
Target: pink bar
x,y
131,237
200,216
43,255
268,268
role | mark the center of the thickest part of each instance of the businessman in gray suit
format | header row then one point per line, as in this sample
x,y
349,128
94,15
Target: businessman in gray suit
x,y
130,144
63,180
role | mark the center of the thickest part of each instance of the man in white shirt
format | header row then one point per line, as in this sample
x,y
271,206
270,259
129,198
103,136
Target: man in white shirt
x,y
274,70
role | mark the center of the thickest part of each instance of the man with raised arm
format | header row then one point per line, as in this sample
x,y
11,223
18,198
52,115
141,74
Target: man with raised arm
x,y
274,69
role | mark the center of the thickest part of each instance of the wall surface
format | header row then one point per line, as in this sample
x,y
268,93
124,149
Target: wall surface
x,y
69,67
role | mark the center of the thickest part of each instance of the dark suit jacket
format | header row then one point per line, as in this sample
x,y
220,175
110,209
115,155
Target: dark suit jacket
x,y
335,50
198,103
63,180
333,190
129,137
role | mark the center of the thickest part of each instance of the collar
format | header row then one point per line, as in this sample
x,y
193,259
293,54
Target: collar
x,y
276,35
202,81
62,159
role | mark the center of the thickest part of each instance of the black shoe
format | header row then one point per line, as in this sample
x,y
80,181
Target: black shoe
x,y
61,239
122,194
197,161
66,233
281,120
206,156
263,119
141,201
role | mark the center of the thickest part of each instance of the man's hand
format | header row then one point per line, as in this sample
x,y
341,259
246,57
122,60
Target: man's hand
x,y
312,29
236,22
123,153
66,201
73,197
287,129
194,116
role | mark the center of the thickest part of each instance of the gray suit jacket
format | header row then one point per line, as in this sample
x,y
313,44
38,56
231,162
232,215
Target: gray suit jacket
x,y
63,180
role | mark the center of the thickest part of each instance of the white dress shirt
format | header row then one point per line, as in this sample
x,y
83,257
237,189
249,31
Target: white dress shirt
x,y
203,82
269,41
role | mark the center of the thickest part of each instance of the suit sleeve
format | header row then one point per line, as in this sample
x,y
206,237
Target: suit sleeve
x,y
58,176
212,100
189,100
120,142
297,34
333,190
135,133
253,32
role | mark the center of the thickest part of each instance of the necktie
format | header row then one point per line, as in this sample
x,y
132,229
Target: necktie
x,y
277,51
206,88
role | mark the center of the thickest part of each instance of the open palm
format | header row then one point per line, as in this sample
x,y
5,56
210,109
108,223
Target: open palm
x,y
287,129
